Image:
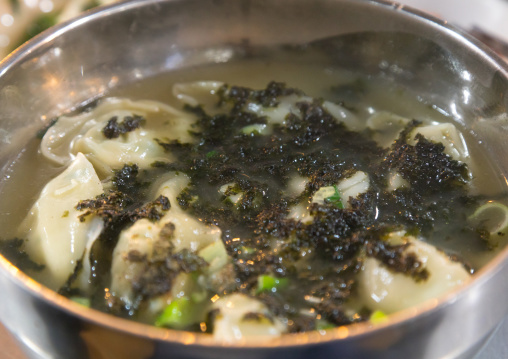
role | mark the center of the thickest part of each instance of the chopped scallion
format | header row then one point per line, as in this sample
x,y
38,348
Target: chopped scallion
x,y
267,283
335,199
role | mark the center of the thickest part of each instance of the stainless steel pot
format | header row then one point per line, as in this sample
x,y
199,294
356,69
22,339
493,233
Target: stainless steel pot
x,y
84,59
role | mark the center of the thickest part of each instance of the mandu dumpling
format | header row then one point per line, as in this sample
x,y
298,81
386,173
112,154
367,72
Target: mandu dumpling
x,y
116,132
55,234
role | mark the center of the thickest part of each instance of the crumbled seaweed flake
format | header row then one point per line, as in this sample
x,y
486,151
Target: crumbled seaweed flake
x,y
333,312
107,206
185,198
155,278
135,256
12,250
68,289
458,259
425,165
114,129
174,147
397,259
161,268
283,307
257,317
337,231
268,97
167,231
116,204
189,261
339,290
126,178
111,130
152,210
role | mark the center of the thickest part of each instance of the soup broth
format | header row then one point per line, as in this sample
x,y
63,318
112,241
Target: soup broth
x,y
251,199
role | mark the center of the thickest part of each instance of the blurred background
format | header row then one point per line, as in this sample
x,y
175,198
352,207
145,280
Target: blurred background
x,y
20,20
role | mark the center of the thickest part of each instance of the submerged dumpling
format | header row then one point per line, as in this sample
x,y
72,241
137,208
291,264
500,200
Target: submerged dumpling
x,y
55,234
389,291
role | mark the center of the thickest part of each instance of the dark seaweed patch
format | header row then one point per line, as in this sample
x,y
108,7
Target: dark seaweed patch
x,y
115,129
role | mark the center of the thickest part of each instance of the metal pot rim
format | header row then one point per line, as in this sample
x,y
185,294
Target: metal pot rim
x,y
287,340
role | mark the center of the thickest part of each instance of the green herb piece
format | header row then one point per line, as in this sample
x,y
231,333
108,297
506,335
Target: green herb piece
x,y
81,300
335,199
178,314
268,283
378,317
322,324
211,154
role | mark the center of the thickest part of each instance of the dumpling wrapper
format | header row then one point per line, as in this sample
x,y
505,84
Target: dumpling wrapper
x,y
383,289
54,234
231,324
189,233
84,133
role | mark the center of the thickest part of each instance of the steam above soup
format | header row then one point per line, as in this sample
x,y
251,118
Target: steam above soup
x,y
249,213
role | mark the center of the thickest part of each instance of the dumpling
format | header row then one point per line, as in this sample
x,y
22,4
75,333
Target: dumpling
x,y
188,233
84,133
383,289
242,318
55,235
449,136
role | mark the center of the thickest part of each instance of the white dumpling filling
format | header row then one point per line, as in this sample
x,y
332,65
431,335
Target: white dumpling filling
x,y
383,289
55,235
